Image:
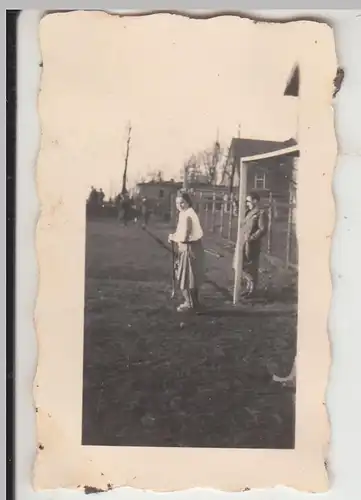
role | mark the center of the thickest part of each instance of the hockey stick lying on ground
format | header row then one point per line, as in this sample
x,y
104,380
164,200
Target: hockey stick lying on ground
x,y
214,253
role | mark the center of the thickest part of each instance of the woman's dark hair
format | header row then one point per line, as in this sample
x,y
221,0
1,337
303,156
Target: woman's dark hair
x,y
254,196
186,198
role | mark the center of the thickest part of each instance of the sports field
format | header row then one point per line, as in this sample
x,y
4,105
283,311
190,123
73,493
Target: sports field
x,y
153,377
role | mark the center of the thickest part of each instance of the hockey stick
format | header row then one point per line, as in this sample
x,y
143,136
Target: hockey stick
x,y
173,272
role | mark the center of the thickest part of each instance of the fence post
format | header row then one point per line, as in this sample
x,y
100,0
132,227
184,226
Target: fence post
x,y
270,217
289,229
222,216
206,215
230,218
214,213
172,209
200,208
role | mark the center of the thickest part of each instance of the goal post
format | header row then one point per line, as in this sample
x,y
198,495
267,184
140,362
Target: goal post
x,y
244,164
239,242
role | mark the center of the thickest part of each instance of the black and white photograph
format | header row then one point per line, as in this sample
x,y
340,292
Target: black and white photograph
x,y
180,344
172,357
185,176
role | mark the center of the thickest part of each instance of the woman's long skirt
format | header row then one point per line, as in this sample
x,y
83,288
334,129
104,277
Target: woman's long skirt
x,y
190,269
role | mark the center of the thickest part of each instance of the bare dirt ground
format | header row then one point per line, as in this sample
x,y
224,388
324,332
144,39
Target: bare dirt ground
x,y
153,377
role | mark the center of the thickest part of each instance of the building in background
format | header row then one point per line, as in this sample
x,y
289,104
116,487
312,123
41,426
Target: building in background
x,y
273,175
162,190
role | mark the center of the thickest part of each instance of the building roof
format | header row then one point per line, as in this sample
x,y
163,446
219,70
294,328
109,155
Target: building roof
x,y
293,84
161,184
242,148
195,184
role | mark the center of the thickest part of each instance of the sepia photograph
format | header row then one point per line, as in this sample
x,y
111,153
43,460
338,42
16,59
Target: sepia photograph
x,y
184,179
180,345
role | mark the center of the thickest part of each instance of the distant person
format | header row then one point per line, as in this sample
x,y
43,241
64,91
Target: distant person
x,y
254,228
92,203
137,208
190,268
93,196
126,205
145,211
101,196
134,209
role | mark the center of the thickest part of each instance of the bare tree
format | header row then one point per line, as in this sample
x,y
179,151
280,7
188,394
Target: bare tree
x,y
192,169
151,176
156,175
225,167
208,164
159,176
125,171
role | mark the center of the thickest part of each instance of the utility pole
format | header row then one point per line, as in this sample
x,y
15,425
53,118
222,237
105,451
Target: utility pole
x,y
185,176
124,184
215,158
233,167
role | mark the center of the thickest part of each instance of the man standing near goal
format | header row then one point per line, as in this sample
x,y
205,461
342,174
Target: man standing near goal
x,y
254,228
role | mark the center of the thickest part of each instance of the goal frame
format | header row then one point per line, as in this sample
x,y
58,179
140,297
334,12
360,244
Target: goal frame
x,y
244,164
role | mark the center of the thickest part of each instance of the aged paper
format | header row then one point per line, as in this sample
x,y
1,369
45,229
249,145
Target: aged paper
x,y
155,92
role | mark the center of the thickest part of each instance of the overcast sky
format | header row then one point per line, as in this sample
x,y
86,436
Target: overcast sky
x,y
176,80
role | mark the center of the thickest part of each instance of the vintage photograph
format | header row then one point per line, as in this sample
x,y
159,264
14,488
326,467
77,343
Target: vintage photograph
x,y
175,353
185,182
191,273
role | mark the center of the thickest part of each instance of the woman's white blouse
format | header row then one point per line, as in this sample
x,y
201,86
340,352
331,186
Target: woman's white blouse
x,y
189,228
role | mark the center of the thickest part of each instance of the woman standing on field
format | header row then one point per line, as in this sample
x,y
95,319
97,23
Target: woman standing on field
x,y
188,237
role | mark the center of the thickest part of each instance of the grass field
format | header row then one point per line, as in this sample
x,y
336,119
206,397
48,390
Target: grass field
x,y
153,377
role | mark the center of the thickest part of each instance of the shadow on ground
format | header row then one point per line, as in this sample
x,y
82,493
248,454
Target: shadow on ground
x,y
153,377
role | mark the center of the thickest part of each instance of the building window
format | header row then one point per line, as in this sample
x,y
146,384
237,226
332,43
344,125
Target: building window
x,y
260,181
161,193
